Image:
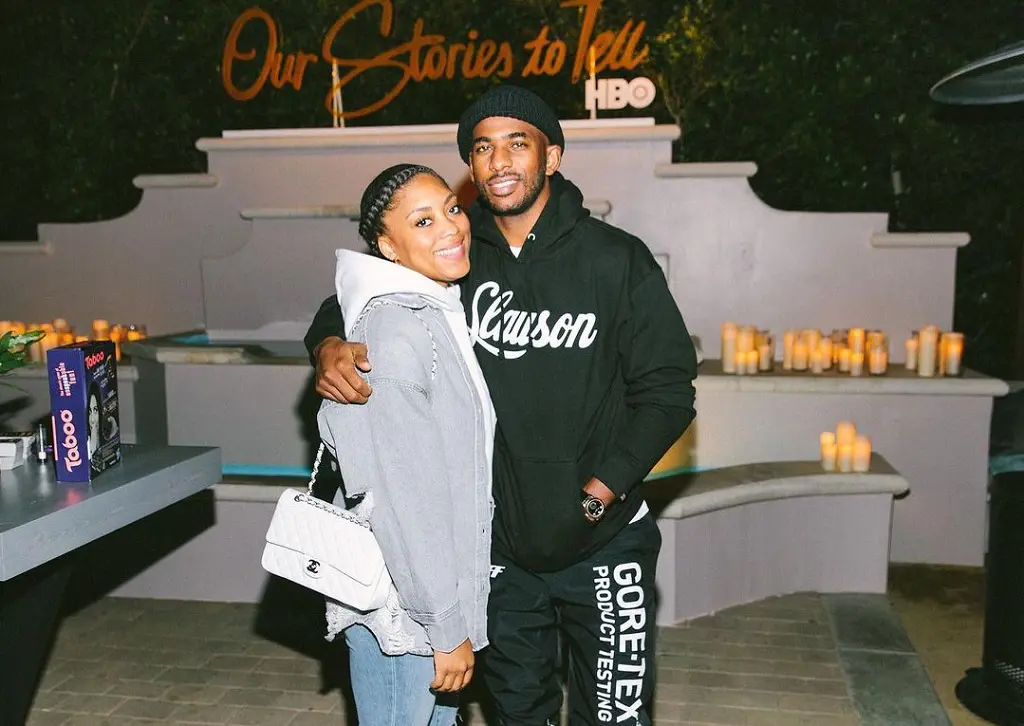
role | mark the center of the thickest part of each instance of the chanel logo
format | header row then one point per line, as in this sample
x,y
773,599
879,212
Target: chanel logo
x,y
313,568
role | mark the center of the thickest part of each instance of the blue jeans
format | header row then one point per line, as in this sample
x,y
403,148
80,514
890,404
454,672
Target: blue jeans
x,y
394,690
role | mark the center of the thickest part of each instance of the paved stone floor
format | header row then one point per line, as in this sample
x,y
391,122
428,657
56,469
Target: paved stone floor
x,y
800,660
942,610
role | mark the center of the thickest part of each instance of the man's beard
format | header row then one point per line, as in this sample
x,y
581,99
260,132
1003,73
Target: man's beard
x,y
534,187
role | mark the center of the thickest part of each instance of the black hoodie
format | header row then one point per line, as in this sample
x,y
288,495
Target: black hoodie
x,y
590,368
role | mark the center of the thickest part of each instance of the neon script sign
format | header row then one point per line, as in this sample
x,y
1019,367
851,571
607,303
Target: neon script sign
x,y
427,56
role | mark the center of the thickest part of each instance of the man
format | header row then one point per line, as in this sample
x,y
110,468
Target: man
x,y
590,367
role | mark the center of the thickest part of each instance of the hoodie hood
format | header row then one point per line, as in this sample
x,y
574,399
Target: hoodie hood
x,y
561,214
360,277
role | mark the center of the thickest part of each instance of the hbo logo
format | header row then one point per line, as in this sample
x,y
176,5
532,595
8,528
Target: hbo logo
x,y
611,94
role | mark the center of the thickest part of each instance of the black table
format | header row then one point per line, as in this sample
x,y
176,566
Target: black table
x,y
44,522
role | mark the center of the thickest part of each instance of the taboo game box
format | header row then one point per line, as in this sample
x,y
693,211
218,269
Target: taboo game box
x,y
83,403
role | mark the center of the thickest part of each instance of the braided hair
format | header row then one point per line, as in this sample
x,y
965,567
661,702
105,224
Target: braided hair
x,y
379,197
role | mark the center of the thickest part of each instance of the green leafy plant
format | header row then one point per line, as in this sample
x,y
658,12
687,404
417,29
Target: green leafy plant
x,y
14,349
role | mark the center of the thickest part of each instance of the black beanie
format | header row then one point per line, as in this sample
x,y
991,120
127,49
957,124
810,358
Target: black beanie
x,y
512,102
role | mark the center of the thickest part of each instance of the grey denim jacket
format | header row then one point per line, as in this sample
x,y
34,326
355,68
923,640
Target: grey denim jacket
x,y
418,451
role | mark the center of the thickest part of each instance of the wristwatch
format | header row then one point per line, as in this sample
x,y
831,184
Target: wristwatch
x,y
593,508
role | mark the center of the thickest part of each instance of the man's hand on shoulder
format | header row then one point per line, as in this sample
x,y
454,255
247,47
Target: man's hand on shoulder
x,y
337,371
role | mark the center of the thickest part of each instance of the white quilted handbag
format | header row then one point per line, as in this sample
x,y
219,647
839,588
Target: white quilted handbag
x,y
326,548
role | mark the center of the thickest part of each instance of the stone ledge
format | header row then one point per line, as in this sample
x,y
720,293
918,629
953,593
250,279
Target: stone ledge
x,y
26,248
175,181
125,372
195,355
568,125
598,207
923,240
896,381
325,211
688,495
431,136
259,493
745,169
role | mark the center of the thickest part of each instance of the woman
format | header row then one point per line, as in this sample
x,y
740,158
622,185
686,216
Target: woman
x,y
101,427
418,453
93,418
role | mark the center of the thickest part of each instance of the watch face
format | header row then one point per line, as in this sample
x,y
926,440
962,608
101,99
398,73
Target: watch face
x,y
593,507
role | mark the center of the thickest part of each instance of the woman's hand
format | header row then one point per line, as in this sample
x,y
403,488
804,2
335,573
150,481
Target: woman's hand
x,y
453,671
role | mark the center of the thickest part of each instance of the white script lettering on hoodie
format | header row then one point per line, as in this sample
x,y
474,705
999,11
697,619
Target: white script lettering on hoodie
x,y
500,324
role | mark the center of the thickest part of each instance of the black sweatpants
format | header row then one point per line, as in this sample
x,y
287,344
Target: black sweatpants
x,y
604,608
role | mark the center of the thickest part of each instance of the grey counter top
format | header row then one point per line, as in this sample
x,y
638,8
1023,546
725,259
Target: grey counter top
x,y
42,519
686,495
183,348
897,380
177,349
125,372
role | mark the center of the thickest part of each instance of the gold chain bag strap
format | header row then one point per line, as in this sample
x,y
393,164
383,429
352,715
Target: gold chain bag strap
x,y
325,548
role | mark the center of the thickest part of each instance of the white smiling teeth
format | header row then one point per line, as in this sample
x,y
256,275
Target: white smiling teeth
x,y
450,252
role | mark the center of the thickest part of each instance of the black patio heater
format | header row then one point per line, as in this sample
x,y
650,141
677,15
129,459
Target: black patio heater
x,y
995,691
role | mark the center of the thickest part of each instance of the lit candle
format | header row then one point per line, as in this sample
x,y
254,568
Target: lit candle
x,y
788,341
846,432
878,361
828,456
825,346
100,330
50,341
753,362
828,451
861,453
812,337
844,359
765,361
36,353
856,364
728,347
954,353
745,339
855,339
928,339
876,339
800,356
817,366
743,363
911,362
838,338
118,335
844,457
